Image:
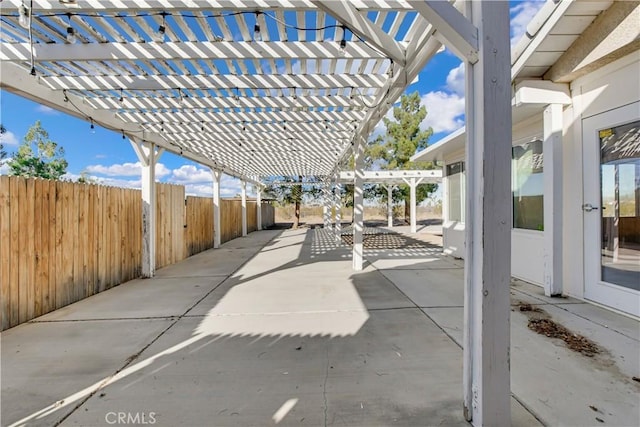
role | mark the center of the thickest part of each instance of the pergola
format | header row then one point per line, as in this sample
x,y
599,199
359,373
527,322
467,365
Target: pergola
x,y
258,89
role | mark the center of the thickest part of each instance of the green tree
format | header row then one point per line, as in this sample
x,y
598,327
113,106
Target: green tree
x,y
286,194
393,150
38,156
3,153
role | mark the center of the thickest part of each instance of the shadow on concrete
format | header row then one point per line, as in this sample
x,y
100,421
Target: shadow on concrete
x,y
345,347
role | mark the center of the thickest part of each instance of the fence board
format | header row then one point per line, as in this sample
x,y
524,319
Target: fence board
x,y
36,244
5,253
58,272
62,241
42,246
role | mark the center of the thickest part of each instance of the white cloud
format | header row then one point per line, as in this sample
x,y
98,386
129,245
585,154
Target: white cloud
x,y
4,167
46,110
190,174
113,182
455,79
126,169
444,111
521,16
201,190
9,138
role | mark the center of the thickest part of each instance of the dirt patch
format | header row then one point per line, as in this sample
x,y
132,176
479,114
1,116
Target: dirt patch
x,y
528,307
575,342
541,323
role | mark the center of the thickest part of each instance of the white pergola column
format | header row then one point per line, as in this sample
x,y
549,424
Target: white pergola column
x,y
217,175
486,374
243,194
325,205
338,203
413,184
148,156
389,206
552,167
259,207
358,204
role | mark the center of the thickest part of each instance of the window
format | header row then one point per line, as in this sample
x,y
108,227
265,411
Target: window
x,y
455,184
528,185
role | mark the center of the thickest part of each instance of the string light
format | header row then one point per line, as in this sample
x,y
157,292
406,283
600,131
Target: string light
x,y
71,32
92,128
244,126
343,41
24,15
121,96
236,97
202,126
158,36
123,137
66,98
257,36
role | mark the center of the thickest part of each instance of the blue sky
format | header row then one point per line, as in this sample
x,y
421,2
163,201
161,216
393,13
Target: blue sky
x,y
106,157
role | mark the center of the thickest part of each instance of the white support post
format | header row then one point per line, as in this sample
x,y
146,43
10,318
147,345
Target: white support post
x,y
358,204
552,166
244,208
413,184
338,227
217,175
486,378
389,206
325,205
148,156
259,207
412,196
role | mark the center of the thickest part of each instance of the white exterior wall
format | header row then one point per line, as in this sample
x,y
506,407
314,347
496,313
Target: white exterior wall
x,y
612,86
527,248
527,245
453,235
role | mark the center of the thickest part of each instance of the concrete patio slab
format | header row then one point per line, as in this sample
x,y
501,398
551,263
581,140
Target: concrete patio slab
x,y
140,298
44,363
293,336
429,288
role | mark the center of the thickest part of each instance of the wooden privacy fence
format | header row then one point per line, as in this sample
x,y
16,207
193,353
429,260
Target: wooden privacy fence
x,y
61,242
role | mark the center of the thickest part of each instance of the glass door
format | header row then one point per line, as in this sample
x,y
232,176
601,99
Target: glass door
x,y
612,208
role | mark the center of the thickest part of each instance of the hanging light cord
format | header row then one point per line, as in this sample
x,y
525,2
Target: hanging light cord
x,y
33,65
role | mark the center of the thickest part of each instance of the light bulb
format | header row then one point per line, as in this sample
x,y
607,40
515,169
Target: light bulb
x,y
158,36
71,35
23,19
257,37
343,42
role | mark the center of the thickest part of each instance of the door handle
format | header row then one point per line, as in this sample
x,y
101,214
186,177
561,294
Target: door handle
x,y
587,207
